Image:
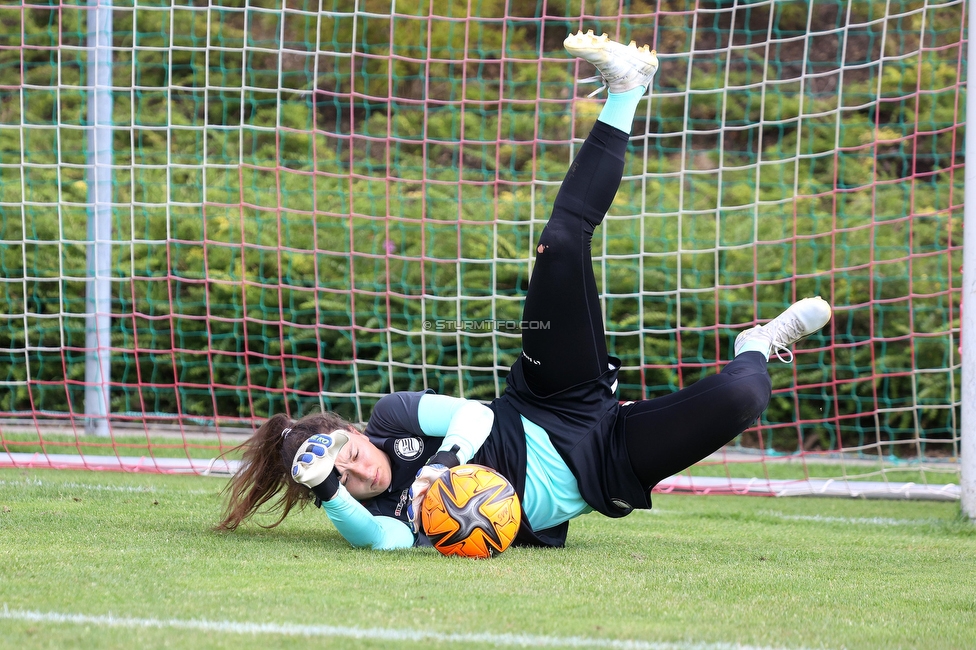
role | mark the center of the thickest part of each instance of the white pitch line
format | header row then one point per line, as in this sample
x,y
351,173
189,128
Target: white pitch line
x,y
871,521
865,521
372,634
104,488
79,486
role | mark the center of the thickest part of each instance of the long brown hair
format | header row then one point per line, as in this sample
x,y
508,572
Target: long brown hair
x,y
266,468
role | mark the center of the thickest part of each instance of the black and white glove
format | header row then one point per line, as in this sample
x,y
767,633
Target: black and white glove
x,y
436,467
314,464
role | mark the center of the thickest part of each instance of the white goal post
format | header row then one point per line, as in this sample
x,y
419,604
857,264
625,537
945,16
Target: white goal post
x,y
968,328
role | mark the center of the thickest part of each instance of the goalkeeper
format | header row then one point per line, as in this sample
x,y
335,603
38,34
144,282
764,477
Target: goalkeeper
x,y
558,432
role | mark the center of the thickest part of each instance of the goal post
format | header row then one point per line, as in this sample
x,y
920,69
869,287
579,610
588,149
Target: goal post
x,y
99,165
316,202
968,326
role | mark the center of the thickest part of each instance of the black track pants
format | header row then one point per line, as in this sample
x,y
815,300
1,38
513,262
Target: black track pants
x,y
563,342
670,433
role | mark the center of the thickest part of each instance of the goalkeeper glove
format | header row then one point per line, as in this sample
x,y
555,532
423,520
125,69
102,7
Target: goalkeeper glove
x,y
314,464
436,467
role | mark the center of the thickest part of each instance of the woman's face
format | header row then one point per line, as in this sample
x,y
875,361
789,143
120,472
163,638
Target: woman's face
x,y
363,467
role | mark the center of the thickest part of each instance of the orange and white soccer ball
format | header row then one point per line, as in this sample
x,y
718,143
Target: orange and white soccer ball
x,y
472,511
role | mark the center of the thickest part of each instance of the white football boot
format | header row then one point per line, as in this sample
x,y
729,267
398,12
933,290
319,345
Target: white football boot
x,y
621,67
801,319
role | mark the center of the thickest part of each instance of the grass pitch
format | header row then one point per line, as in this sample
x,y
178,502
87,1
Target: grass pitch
x,y
102,560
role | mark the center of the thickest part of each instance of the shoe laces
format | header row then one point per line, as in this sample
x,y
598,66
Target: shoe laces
x,y
784,334
595,79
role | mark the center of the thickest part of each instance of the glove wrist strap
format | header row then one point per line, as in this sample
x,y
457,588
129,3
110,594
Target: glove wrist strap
x,y
446,458
327,489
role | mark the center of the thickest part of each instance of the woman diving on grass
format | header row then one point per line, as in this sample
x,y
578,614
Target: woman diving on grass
x,y
558,433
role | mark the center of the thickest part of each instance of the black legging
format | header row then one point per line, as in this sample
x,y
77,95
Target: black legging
x,y
567,346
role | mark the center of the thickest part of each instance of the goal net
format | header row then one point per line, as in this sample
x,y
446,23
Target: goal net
x,y
217,211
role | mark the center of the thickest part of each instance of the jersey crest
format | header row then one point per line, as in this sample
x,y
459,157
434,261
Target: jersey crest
x,y
408,448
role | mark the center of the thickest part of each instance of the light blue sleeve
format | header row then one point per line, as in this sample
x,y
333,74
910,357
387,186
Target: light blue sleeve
x,y
462,422
364,530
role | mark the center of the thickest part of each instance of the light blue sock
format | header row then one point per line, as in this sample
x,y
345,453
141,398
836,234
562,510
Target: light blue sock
x,y
755,345
620,108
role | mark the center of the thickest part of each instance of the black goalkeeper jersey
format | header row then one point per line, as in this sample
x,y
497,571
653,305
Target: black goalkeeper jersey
x,y
582,425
